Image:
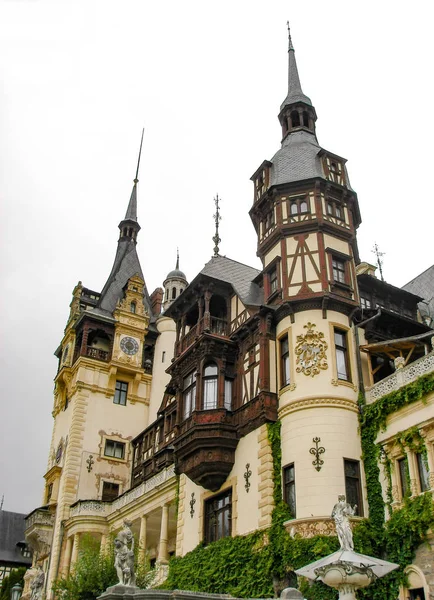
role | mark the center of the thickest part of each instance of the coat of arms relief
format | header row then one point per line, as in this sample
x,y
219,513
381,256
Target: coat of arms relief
x,y
310,350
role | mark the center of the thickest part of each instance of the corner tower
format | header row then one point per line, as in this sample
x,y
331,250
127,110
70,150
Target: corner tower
x,y
305,214
101,401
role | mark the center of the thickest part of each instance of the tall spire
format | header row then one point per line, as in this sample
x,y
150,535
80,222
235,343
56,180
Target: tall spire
x,y
131,214
216,239
177,258
295,93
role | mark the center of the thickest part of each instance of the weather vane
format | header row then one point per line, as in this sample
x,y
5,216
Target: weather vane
x,y
216,239
378,254
290,46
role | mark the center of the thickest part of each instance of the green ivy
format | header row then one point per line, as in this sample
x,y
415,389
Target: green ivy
x,y
8,582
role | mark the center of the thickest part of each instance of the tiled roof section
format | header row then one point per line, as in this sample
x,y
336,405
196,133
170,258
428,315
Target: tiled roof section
x,y
238,275
131,214
295,93
297,159
12,526
423,285
126,265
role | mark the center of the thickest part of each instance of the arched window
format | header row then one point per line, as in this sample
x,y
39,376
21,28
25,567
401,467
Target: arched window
x,y
295,118
210,387
189,395
167,293
305,118
294,208
303,206
173,293
133,307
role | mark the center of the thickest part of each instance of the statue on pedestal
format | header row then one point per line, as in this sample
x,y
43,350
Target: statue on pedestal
x,y
124,555
340,513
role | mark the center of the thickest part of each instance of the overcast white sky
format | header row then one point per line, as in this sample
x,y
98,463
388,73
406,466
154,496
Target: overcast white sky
x,y
79,79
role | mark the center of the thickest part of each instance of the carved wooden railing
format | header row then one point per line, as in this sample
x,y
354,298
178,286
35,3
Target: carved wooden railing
x,y
207,324
401,377
97,353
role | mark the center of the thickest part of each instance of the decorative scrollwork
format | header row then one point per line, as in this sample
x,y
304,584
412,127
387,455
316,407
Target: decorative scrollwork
x,y
89,463
311,351
317,451
192,503
247,476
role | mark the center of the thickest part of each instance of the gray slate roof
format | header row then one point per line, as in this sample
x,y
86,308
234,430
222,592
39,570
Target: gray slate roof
x,y
12,527
131,214
240,276
423,285
295,93
297,159
126,265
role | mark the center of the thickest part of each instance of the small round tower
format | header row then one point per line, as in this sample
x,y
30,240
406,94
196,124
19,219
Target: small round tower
x,y
174,284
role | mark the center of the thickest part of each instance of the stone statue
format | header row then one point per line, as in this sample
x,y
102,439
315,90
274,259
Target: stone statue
x,y
124,556
341,511
37,584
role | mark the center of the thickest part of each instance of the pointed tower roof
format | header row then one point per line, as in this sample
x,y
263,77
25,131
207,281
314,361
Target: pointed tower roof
x,y
295,93
126,263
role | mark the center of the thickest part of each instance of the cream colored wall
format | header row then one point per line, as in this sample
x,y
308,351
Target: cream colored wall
x,y
411,415
245,505
319,406
337,427
165,343
271,255
326,383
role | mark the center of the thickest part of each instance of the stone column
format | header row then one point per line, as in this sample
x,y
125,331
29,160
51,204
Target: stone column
x,y
163,556
67,559
142,539
75,546
103,543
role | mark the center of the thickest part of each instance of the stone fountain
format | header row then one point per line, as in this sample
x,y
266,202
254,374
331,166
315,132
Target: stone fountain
x,y
346,570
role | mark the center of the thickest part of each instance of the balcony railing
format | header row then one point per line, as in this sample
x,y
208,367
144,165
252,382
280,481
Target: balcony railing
x,y
40,517
207,324
97,353
98,508
401,377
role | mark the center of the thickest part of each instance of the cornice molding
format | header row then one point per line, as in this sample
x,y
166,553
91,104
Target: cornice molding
x,y
316,402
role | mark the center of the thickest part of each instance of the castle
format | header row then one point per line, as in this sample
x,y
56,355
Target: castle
x,y
162,400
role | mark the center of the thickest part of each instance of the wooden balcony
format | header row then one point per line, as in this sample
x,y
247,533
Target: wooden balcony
x,y
208,324
92,352
152,452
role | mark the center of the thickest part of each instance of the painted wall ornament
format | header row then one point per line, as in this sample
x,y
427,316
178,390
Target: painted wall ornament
x,y
247,475
192,503
310,350
317,451
90,462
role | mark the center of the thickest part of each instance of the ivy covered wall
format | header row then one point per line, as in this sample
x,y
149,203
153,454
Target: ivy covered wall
x,y
260,564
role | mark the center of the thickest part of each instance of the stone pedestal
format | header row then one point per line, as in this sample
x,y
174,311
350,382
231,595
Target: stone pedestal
x,y
347,571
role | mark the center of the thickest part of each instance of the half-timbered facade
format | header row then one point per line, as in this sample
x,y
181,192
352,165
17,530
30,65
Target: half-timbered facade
x,y
161,417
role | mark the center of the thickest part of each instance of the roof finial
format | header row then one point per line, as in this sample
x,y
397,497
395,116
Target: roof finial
x,y
376,250
177,258
290,46
138,161
216,239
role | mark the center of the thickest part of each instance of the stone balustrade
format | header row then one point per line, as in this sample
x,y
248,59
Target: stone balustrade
x,y
401,377
97,508
39,517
